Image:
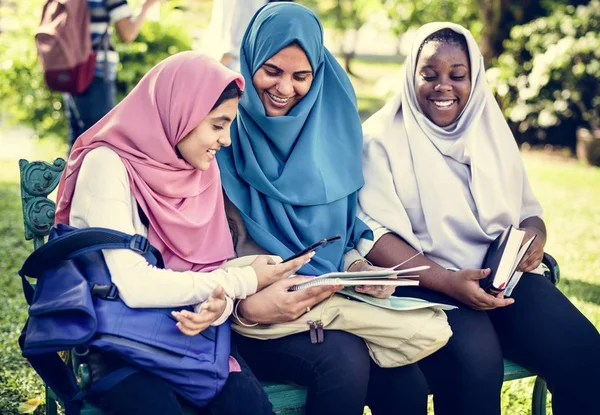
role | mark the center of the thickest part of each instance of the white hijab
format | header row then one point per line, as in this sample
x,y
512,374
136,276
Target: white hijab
x,y
448,191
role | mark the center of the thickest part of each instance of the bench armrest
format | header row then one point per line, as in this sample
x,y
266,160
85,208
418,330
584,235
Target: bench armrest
x,y
553,270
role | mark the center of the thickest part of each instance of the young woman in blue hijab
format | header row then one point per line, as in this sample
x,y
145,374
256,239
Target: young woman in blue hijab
x,y
291,176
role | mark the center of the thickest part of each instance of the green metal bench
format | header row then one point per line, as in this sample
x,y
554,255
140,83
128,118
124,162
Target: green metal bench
x,y
39,179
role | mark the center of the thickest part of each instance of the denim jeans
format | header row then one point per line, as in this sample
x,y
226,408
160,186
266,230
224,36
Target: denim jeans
x,y
90,106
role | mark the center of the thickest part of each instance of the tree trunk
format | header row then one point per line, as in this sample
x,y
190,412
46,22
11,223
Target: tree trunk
x,y
499,17
491,12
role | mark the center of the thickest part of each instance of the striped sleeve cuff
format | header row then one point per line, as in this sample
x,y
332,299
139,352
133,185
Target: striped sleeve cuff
x,y
118,10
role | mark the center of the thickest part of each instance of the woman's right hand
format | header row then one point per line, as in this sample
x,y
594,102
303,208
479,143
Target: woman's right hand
x,y
268,271
464,286
276,304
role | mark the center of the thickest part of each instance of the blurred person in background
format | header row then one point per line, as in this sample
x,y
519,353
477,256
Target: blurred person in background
x,y
228,22
84,110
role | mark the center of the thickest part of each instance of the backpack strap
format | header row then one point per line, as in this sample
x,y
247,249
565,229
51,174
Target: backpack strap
x,y
82,241
56,373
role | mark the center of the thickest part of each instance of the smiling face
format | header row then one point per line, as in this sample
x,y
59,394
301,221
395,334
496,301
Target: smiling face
x,y
199,147
442,81
283,80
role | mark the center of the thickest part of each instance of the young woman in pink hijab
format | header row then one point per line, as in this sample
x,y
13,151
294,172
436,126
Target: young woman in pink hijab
x,y
148,167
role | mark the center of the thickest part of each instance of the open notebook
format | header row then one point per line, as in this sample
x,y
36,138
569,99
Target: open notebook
x,y
388,276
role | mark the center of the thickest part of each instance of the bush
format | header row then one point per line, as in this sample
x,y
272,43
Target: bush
x,y
24,96
156,41
548,78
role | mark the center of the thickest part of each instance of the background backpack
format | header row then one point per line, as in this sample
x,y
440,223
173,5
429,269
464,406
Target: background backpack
x,y
64,45
75,306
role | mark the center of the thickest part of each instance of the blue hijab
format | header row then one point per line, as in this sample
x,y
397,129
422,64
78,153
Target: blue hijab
x,y
295,178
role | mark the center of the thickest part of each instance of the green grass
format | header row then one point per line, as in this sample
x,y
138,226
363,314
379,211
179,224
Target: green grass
x,y
17,382
568,191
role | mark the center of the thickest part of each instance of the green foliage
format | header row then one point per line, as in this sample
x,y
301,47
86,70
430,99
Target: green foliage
x,y
26,100
489,20
550,71
344,14
409,14
156,41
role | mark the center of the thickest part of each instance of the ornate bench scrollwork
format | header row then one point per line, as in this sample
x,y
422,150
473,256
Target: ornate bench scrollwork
x,y
38,180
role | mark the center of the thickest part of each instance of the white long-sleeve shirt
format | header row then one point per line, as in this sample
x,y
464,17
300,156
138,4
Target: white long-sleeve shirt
x,y
103,198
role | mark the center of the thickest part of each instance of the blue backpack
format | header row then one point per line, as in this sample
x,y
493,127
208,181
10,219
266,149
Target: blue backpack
x,y
75,305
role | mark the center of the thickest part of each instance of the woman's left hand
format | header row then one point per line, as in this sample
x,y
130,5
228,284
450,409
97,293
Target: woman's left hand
x,y
377,291
535,253
191,324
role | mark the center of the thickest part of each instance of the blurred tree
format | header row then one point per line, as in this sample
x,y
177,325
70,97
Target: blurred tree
x,y
500,16
346,17
490,21
548,78
156,41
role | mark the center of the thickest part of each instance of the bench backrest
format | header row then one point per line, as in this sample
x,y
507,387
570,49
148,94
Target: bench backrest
x,y
38,180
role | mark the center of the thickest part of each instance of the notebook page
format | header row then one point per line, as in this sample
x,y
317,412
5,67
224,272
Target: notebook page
x,y
522,252
352,282
507,263
516,276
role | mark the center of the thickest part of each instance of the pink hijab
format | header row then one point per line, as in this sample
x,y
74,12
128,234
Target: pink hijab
x,y
184,205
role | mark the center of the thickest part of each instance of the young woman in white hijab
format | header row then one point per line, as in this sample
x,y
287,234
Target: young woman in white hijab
x,y
443,175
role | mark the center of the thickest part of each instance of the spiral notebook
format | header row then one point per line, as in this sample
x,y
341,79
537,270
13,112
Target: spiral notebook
x,y
389,276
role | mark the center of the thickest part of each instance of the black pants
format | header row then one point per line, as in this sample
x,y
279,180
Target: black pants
x,y
340,376
90,106
146,394
541,331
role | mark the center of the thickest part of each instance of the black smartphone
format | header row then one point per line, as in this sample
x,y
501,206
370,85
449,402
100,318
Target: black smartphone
x,y
314,247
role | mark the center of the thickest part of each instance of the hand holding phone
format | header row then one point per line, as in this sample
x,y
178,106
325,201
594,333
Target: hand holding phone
x,y
268,271
314,247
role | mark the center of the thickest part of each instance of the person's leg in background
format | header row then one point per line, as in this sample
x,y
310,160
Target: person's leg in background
x,y
84,110
544,332
466,375
336,371
399,390
242,394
